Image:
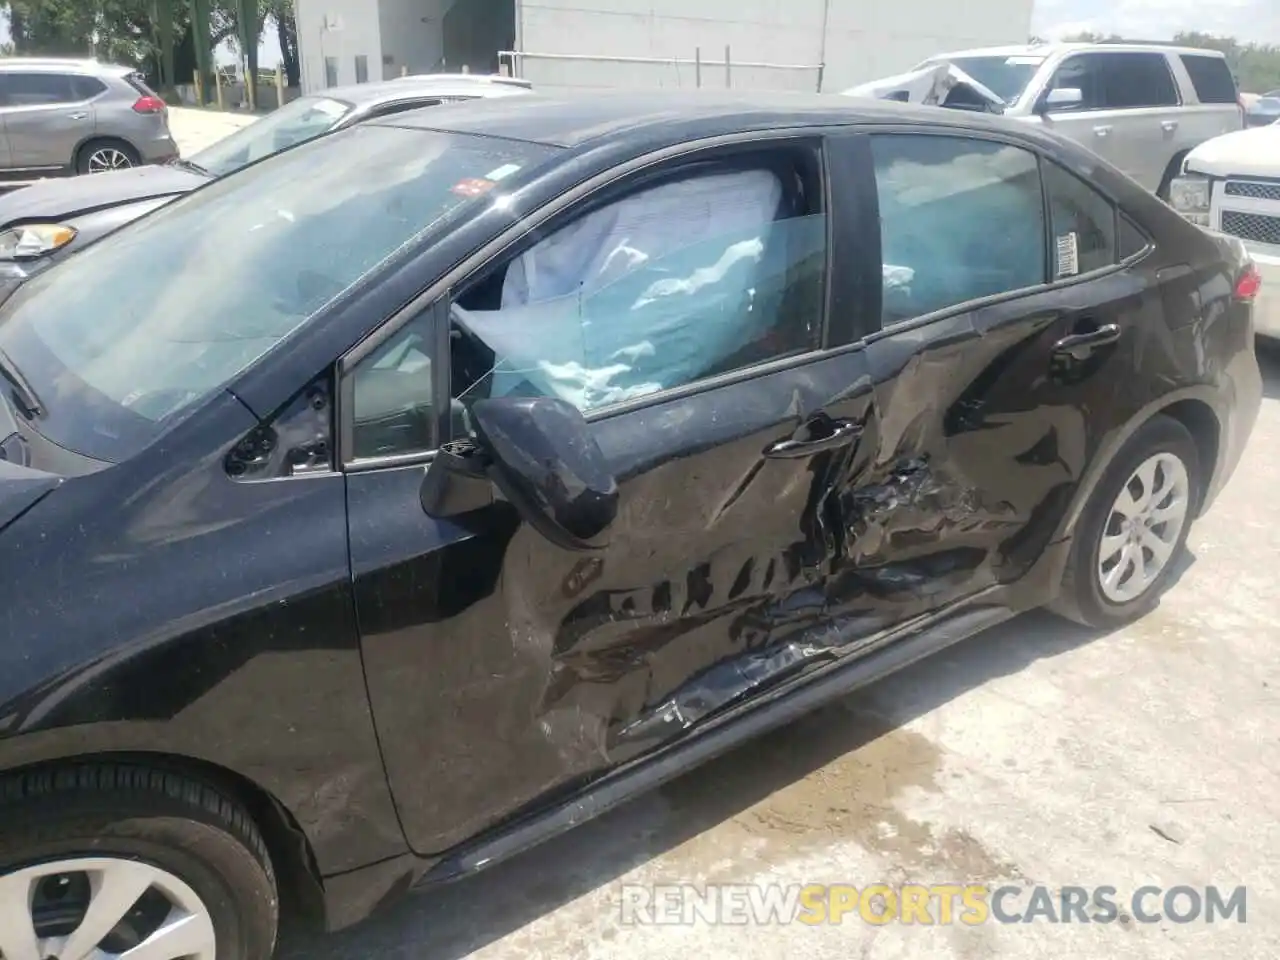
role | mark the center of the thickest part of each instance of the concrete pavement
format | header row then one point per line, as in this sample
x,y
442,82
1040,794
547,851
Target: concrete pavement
x,y
195,129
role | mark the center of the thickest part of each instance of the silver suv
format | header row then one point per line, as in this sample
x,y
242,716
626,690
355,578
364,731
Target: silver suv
x,y
77,116
1143,107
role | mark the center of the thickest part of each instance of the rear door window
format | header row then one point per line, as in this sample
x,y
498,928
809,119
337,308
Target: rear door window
x,y
960,220
1134,80
36,89
1211,78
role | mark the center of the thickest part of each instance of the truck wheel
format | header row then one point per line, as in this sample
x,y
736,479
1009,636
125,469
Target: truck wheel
x,y
131,863
1134,528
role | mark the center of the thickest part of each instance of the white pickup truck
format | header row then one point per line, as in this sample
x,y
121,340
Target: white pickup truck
x,y
1231,184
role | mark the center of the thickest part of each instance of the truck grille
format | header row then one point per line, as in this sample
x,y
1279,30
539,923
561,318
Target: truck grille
x,y
1251,226
1254,189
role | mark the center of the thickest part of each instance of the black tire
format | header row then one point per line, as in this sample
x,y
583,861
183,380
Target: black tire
x,y
1081,598
86,152
181,826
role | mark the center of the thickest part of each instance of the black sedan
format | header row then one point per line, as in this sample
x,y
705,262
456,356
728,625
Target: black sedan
x,y
380,510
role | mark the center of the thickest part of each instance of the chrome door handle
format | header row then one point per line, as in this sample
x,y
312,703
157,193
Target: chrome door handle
x,y
1102,131
1081,346
77,116
1169,126
824,435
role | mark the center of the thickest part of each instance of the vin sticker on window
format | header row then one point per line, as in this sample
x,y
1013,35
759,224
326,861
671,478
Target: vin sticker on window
x,y
1068,255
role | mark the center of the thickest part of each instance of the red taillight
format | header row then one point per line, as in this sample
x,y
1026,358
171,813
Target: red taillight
x,y
1249,284
149,105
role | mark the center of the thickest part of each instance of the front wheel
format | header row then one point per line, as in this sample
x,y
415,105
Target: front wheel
x,y
1134,529
133,864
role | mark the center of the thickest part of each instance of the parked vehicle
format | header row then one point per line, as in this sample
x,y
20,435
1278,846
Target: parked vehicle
x,y
416,493
52,219
1144,107
1264,111
65,117
1232,185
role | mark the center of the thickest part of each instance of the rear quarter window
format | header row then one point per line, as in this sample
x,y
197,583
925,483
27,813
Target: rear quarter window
x,y
1211,78
85,88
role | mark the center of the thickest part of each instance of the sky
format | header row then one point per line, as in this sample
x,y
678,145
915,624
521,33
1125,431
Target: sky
x,y
1247,20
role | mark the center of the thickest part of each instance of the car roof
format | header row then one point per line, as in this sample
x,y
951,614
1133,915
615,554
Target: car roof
x,y
1049,49
426,85
64,64
572,119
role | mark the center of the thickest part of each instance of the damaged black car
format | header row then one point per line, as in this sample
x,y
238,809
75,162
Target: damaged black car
x,y
390,505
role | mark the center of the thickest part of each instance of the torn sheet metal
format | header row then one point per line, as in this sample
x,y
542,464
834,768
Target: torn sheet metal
x,y
937,85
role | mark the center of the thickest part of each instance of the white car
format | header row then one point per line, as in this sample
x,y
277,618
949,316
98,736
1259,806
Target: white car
x,y
1143,107
1231,184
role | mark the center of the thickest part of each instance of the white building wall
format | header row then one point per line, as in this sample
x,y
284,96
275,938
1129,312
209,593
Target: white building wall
x,y
335,32
858,40
412,36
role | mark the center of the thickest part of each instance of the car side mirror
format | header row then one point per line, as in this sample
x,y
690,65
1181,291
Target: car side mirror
x,y
1061,98
540,454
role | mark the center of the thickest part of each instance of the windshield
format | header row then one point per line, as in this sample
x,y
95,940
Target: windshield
x,y
130,333
295,122
1006,77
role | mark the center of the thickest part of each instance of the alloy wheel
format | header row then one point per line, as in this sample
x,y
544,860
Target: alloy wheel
x,y
1143,527
101,908
108,158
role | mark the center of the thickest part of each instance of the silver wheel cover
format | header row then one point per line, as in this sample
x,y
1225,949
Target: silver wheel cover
x,y
108,158
115,887
1143,527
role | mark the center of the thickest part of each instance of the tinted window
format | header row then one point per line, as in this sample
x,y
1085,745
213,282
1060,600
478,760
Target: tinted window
x,y
682,280
31,89
1212,78
1083,223
1083,73
85,87
959,220
1132,240
1138,80
393,408
117,353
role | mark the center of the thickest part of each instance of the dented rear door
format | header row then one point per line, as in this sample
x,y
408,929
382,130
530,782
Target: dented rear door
x,y
996,361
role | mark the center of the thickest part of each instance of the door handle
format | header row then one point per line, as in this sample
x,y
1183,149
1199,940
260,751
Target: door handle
x,y
826,435
1103,130
77,116
1079,346
1168,126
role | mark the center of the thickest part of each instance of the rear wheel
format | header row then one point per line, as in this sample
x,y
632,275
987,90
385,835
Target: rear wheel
x,y
1134,529
103,156
129,863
